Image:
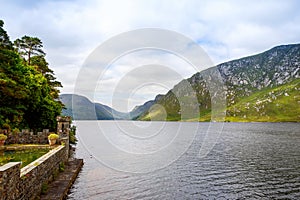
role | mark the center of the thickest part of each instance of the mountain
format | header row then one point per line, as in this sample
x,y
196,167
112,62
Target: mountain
x,y
139,110
262,87
81,108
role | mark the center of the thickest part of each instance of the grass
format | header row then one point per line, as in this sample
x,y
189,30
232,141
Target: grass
x,y
24,156
279,104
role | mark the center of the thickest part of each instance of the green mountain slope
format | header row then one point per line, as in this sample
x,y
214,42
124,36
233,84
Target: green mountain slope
x,y
263,87
278,104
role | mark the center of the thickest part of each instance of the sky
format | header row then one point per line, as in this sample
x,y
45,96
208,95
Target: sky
x,y
71,30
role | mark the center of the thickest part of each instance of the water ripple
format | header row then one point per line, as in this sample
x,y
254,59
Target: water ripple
x,y
250,161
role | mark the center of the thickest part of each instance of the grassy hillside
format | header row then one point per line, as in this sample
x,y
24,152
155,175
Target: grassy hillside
x,y
279,104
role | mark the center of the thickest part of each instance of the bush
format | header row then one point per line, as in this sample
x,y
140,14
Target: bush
x,y
61,167
15,131
72,135
3,137
44,188
53,136
6,126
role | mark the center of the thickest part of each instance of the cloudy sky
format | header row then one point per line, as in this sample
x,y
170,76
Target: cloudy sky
x,y
72,29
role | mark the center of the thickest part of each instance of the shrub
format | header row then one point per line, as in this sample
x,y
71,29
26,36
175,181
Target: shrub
x,y
72,135
6,126
44,188
53,136
61,167
3,137
15,131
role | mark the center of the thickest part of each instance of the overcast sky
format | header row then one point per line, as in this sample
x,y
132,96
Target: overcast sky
x,y
72,29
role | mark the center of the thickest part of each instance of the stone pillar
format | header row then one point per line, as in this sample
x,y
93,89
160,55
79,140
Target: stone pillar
x,y
63,130
65,141
63,124
9,179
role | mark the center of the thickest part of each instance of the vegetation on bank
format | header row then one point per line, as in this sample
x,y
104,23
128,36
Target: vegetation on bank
x,y
28,88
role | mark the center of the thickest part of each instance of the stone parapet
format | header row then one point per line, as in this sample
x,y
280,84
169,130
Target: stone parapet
x,y
27,183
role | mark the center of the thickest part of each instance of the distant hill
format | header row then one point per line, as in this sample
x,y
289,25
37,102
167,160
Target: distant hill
x,y
81,108
263,87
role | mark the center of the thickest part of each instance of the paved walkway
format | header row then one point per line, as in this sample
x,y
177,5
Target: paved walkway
x,y
60,187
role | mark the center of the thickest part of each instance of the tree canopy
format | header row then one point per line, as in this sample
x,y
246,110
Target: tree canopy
x,y
29,46
28,90
4,38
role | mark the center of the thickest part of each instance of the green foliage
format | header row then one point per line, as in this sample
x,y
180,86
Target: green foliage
x,y
44,188
3,137
53,136
24,156
28,93
4,39
72,135
6,126
61,167
29,46
16,130
40,63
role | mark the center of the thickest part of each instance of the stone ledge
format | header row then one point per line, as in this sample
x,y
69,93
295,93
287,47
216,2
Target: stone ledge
x,y
8,165
59,188
40,160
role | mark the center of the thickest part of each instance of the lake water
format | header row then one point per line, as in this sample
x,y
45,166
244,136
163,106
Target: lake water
x,y
187,160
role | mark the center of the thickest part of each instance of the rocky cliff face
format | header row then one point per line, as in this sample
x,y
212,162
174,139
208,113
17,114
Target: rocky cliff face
x,y
272,68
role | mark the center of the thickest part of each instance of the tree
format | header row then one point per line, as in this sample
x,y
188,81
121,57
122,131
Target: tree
x,y
42,66
13,90
29,46
4,39
28,93
42,108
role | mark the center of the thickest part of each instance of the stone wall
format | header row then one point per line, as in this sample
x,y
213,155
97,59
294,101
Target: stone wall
x,y
26,183
9,180
27,137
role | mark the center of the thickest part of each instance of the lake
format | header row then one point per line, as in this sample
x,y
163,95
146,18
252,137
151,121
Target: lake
x,y
187,160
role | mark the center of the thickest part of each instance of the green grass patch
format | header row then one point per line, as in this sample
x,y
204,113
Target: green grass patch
x,y
24,156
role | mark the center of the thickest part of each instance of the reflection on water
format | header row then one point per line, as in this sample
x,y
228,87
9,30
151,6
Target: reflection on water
x,y
249,160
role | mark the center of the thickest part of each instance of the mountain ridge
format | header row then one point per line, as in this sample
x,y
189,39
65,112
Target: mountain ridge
x,y
243,77
259,87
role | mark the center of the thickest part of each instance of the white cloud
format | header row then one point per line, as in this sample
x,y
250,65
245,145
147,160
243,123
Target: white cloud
x,y
140,76
71,30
